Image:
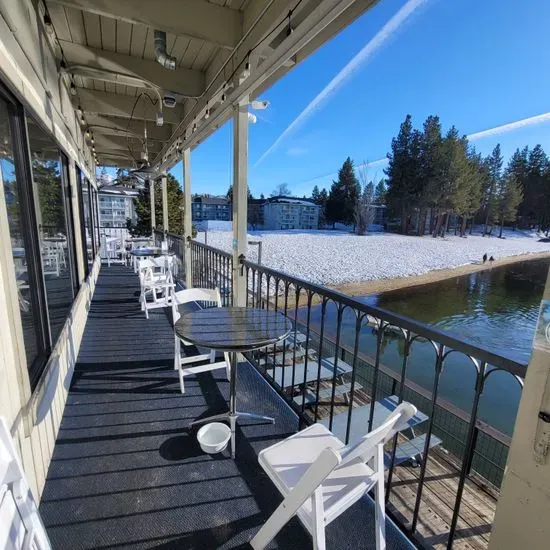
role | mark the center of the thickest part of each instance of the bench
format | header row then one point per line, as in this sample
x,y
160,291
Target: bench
x,y
411,449
311,395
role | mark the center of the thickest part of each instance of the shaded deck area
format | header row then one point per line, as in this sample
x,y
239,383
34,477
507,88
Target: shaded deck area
x,y
127,471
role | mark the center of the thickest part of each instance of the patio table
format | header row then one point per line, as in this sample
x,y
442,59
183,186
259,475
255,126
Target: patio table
x,y
233,330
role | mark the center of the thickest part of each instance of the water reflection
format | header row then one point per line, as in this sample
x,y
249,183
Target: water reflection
x,y
496,309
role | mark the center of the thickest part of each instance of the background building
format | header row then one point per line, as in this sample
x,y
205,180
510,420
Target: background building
x,y
116,205
207,207
290,213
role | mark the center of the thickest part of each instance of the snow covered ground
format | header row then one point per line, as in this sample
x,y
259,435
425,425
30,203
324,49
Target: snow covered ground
x,y
334,257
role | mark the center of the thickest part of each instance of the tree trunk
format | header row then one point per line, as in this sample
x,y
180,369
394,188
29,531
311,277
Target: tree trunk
x,y
472,226
501,226
404,219
463,226
437,226
486,223
446,227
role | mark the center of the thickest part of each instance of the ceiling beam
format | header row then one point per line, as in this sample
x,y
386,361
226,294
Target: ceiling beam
x,y
192,18
111,126
103,103
181,81
117,142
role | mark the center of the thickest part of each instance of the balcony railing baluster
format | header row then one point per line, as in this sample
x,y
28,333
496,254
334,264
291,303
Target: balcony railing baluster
x,y
214,267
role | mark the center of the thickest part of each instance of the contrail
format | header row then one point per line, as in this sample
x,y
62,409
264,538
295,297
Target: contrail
x,y
381,37
511,126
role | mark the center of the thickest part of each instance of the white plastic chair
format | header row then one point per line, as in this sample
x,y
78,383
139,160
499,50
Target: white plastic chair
x,y
320,478
152,282
20,525
184,365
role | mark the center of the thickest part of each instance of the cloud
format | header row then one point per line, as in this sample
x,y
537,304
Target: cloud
x,y
510,127
381,37
297,151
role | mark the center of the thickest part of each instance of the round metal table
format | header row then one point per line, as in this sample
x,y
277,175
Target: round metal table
x,y
233,330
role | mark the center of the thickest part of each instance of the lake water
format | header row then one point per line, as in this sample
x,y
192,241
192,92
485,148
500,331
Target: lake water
x,y
496,309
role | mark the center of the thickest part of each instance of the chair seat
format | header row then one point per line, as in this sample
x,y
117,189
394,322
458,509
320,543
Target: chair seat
x,y
287,461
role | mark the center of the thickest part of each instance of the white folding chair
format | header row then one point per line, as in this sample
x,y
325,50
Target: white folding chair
x,y
152,281
184,365
320,477
21,527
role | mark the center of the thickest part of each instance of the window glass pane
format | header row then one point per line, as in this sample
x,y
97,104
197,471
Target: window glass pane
x,y
85,190
16,223
55,249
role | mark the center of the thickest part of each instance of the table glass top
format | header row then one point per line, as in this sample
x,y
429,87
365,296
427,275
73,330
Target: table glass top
x,y
233,328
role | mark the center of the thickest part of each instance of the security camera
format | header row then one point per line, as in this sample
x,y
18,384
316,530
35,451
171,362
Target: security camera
x,y
169,101
259,105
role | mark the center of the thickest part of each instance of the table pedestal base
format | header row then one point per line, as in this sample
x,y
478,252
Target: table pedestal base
x,y
231,415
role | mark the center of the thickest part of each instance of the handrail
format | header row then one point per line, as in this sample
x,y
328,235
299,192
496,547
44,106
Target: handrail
x,y
419,328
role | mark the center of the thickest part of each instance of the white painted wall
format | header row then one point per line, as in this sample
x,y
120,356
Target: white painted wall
x,y
28,68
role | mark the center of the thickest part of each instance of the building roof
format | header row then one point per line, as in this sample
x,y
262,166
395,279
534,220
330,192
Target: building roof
x,y
292,200
208,199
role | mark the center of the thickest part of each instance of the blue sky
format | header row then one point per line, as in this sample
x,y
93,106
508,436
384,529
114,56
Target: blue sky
x,y
476,64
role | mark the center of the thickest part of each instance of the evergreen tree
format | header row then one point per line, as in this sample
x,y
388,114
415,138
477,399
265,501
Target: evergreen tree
x,y
536,187
403,172
143,208
47,180
494,170
343,195
380,192
229,194
509,197
315,194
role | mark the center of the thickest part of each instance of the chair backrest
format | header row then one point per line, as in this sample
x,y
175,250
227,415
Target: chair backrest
x,y
194,295
364,449
20,523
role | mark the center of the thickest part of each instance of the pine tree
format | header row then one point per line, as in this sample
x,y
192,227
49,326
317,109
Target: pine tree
x,y
509,197
403,172
380,193
315,194
536,187
494,168
229,194
143,208
343,195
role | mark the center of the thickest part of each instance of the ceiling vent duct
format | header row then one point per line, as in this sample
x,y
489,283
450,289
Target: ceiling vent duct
x,y
167,61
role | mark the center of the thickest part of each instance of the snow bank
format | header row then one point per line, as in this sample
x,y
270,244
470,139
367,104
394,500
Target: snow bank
x,y
333,257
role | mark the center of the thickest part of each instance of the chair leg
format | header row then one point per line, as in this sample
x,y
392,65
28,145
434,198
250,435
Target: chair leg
x,y
180,373
318,520
380,508
177,353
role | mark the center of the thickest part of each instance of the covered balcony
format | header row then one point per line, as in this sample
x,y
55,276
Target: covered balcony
x,y
101,430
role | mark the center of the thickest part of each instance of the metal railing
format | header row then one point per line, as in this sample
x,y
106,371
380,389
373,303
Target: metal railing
x,y
331,324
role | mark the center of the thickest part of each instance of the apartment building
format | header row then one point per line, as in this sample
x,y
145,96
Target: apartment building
x,y
207,207
290,213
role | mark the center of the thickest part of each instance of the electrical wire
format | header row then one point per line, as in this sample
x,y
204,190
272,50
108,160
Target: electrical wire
x,y
128,138
285,20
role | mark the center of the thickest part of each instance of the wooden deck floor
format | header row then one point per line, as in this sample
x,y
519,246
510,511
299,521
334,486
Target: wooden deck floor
x,y
438,497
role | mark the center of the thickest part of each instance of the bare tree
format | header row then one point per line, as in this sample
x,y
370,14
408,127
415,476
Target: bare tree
x,y
364,211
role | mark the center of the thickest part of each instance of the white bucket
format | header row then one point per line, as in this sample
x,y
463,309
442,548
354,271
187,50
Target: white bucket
x,y
214,437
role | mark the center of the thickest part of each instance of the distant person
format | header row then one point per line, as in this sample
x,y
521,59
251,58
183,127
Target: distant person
x,y
491,260
485,257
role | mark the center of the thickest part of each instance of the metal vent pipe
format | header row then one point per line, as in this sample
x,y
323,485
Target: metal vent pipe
x,y
167,61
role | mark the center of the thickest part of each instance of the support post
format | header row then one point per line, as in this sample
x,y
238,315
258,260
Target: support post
x,y
187,219
240,198
152,201
165,205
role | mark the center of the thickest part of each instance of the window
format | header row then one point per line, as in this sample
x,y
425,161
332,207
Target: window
x,y
17,203
54,225
84,207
